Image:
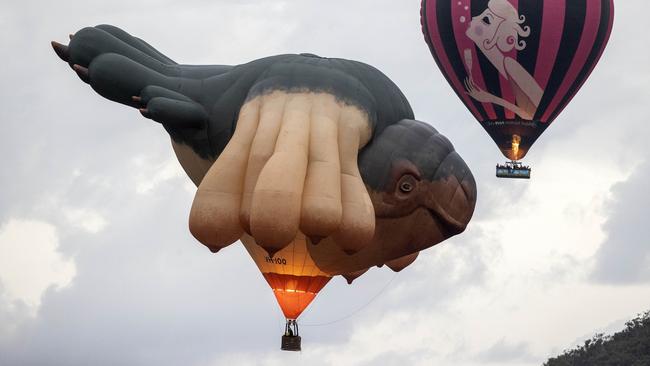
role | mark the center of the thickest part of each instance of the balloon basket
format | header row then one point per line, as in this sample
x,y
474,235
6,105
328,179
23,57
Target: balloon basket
x,y
290,343
514,170
291,338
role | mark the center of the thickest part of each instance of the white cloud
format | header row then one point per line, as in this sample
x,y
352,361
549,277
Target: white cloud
x,y
86,219
152,172
30,262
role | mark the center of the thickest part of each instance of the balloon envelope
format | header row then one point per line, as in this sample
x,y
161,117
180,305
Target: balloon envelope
x,y
291,273
516,64
406,190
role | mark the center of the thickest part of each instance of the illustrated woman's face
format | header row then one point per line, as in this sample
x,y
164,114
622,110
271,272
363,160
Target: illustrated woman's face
x,y
483,27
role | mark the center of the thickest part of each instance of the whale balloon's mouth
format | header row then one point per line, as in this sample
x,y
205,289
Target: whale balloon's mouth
x,y
448,226
451,196
453,216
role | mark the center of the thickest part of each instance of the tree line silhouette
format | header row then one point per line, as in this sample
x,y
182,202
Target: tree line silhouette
x,y
630,347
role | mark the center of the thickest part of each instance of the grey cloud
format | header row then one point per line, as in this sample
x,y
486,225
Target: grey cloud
x,y
445,272
503,352
146,293
624,257
400,358
13,315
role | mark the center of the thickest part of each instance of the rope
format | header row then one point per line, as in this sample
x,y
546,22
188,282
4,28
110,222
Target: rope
x,y
358,310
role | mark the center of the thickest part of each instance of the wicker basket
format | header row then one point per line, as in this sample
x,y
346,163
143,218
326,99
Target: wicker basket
x,y
290,343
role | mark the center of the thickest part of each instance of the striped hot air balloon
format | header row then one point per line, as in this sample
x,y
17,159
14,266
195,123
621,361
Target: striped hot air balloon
x,y
516,64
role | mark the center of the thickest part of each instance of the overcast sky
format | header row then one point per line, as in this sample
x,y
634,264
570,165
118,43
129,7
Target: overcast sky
x,y
97,265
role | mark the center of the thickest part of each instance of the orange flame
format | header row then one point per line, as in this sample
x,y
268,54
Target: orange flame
x,y
516,140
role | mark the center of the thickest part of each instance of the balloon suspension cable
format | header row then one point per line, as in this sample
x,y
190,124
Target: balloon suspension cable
x,y
291,328
356,311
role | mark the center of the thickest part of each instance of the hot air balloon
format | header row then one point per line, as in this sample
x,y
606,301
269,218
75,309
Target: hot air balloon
x,y
516,64
316,164
294,278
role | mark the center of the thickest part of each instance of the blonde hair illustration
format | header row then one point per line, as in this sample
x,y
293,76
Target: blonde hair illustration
x,y
509,29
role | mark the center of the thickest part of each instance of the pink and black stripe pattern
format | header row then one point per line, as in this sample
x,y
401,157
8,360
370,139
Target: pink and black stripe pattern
x,y
564,39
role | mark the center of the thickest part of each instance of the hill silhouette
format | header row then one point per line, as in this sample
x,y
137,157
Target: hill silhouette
x,y
630,347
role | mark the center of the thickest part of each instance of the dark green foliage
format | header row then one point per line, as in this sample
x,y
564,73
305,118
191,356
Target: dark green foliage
x,y
630,347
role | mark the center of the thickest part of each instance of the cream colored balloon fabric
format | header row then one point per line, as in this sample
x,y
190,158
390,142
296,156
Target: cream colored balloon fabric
x,y
291,166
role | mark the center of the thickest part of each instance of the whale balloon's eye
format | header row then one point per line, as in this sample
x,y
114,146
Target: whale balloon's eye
x,y
407,184
406,187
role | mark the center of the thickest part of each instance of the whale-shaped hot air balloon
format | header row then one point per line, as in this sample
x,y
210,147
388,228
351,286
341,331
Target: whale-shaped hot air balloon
x,y
516,64
316,164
